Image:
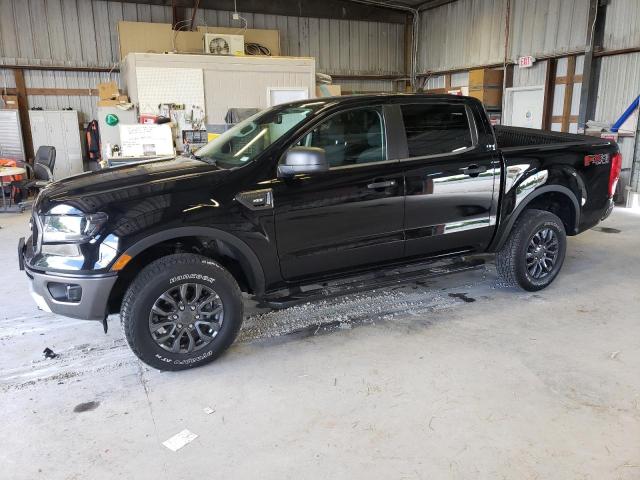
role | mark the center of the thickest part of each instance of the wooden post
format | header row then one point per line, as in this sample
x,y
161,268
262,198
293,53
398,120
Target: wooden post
x,y
549,90
568,93
23,112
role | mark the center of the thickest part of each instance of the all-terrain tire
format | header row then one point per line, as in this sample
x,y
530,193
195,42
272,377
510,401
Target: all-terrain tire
x,y
167,274
511,259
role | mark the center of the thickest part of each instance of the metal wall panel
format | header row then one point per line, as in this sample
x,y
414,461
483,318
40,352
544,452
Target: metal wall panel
x,y
367,86
84,33
622,26
530,77
470,33
619,85
462,34
548,27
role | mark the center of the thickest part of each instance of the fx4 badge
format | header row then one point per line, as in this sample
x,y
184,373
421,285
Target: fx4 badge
x,y
599,159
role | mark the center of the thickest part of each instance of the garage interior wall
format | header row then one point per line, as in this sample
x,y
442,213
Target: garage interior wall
x,y
84,33
619,81
467,34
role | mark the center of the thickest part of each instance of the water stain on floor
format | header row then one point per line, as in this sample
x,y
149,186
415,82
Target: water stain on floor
x,y
463,297
606,230
86,406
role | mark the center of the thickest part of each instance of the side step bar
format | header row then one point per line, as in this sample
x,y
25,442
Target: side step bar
x,y
390,276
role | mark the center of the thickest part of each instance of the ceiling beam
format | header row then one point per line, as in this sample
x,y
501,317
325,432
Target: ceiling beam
x,y
430,4
338,9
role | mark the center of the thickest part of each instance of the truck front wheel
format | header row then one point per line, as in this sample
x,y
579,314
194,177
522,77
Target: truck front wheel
x,y
533,254
181,311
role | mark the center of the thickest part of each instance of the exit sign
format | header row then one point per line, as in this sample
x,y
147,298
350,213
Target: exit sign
x,y
526,62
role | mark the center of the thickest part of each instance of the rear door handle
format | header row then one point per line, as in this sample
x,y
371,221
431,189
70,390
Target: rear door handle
x,y
473,170
385,184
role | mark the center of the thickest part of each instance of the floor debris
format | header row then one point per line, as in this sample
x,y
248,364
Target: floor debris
x,y
48,353
209,410
179,440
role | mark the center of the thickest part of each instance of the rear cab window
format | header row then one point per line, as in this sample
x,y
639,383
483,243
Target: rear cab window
x,y
436,129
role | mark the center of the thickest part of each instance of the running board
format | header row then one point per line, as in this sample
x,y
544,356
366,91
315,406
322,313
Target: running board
x,y
360,283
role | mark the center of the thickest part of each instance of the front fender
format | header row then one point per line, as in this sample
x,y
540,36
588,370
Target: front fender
x,y
246,256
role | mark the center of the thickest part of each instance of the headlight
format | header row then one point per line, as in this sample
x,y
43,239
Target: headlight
x,y
65,224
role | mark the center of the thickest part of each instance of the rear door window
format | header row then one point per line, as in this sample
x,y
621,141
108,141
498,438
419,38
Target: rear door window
x,y
436,129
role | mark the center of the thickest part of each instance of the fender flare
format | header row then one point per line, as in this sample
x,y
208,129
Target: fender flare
x,y
248,259
504,234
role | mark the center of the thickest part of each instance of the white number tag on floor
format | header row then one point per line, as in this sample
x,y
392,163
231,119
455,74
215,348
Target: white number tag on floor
x,y
179,440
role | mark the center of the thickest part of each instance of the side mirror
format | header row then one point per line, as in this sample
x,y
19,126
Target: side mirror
x,y
303,160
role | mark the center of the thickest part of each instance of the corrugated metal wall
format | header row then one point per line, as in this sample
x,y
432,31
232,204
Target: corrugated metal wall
x,y
461,34
619,81
548,27
622,28
619,85
84,33
469,33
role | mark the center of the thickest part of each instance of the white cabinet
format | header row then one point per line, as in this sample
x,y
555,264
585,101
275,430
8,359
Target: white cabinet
x,y
60,129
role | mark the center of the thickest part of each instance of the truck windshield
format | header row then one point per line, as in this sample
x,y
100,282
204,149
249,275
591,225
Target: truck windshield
x,y
245,141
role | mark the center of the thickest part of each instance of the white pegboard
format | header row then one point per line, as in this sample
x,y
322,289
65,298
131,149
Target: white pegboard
x,y
169,85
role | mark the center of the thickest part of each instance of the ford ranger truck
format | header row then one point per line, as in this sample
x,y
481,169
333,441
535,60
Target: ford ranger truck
x,y
303,194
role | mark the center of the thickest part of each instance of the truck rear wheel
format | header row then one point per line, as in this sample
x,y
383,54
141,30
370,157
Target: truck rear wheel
x,y
534,252
181,311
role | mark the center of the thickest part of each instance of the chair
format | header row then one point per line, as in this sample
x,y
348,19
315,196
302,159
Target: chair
x,y
40,175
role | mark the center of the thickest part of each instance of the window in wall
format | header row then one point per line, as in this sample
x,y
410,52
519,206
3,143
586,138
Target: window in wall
x,y
350,138
434,129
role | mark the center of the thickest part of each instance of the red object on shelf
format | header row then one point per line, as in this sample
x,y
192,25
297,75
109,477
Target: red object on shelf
x,y
148,118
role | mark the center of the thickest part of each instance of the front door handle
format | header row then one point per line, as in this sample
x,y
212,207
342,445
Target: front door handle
x,y
473,170
385,184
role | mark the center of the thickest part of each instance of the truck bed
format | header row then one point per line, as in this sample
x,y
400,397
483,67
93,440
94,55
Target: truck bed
x,y
517,137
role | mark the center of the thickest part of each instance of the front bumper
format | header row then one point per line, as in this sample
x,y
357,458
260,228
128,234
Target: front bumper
x,y
77,296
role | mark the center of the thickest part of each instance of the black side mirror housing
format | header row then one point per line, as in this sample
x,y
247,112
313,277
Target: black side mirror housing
x,y
303,160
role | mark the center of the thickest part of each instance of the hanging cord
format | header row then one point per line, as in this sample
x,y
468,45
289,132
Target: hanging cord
x,y
256,49
176,30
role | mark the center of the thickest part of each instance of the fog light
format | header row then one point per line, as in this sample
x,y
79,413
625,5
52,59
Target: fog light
x,y
74,293
65,292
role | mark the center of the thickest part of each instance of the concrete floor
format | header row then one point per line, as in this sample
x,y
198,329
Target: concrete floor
x,y
412,383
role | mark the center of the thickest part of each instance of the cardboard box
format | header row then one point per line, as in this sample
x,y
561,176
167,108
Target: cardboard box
x,y
267,38
328,90
145,37
485,77
485,84
189,42
9,102
120,100
490,96
108,90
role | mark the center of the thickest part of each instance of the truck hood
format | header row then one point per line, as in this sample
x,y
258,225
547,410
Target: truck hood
x,y
128,176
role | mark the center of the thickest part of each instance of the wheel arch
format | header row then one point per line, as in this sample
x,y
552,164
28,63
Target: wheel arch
x,y
531,201
227,245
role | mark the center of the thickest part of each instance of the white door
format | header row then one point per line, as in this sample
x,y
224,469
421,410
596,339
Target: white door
x,y
71,131
57,140
523,107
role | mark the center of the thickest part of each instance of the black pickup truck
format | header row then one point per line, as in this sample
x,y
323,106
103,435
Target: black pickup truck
x,y
302,194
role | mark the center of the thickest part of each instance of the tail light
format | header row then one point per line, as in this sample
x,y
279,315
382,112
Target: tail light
x,y
614,174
